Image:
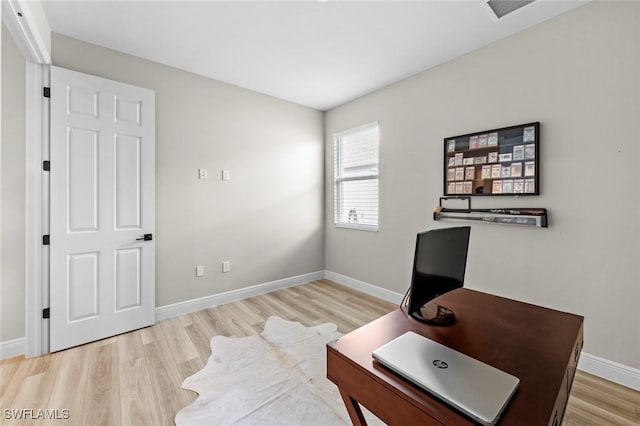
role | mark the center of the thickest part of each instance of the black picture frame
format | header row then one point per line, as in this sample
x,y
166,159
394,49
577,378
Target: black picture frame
x,y
515,149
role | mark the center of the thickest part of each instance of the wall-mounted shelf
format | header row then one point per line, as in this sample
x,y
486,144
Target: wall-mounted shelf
x,y
510,216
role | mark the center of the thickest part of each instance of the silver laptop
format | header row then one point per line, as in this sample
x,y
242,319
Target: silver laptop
x,y
473,387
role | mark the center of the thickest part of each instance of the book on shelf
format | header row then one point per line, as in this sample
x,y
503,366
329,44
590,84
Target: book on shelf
x,y
451,174
467,161
468,187
530,168
451,188
482,141
451,145
470,173
493,139
505,171
518,152
458,159
459,188
486,172
507,186
451,162
529,151
518,186
460,173
495,171
529,134
505,157
493,157
480,160
516,169
529,186
496,188
473,142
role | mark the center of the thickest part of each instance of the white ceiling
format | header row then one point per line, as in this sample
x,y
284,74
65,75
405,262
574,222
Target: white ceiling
x,y
315,53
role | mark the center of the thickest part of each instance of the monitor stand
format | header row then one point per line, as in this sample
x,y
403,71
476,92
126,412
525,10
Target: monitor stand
x,y
434,314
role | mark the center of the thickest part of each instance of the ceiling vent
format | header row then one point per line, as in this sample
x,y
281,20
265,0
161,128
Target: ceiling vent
x,y
504,7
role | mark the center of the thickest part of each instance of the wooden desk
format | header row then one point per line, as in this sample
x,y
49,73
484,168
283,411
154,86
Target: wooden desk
x,y
539,346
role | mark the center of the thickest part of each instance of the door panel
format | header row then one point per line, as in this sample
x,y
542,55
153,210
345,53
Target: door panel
x,y
82,101
82,166
128,267
128,111
102,200
127,159
82,286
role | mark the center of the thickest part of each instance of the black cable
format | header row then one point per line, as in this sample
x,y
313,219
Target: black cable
x,y
405,297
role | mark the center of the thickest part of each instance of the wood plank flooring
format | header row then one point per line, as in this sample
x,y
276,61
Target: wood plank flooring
x,y
135,378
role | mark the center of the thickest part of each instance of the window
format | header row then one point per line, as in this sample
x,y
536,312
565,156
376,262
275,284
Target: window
x,y
355,159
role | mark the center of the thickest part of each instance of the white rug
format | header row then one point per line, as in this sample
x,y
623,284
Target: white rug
x,y
275,378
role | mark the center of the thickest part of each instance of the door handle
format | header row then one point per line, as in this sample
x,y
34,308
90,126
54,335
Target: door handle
x,y
146,237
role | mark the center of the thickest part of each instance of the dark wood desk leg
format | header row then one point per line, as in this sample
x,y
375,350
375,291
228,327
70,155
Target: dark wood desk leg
x,y
354,409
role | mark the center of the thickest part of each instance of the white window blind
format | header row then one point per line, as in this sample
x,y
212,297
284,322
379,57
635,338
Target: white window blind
x,y
356,177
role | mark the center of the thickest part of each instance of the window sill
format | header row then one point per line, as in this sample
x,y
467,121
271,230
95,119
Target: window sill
x,y
370,228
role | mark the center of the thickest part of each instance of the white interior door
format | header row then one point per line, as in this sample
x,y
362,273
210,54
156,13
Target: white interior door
x,y
102,276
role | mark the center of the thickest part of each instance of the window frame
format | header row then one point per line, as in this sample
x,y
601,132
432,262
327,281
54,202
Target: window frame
x,y
337,180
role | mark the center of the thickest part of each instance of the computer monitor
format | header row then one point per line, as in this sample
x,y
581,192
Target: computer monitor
x,y
438,267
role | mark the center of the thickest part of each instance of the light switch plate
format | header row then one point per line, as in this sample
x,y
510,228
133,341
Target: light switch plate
x,y
199,271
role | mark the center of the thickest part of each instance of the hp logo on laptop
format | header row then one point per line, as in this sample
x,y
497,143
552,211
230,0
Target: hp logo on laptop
x,y
440,364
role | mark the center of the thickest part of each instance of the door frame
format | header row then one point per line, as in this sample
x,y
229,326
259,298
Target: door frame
x,y
36,212
28,35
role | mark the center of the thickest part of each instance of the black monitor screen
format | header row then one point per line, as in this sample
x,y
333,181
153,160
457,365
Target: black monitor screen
x,y
439,264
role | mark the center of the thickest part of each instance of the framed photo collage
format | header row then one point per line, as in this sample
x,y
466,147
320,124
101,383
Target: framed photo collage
x,y
493,162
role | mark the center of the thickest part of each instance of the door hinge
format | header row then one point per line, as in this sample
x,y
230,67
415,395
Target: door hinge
x,y
46,313
45,240
46,92
46,165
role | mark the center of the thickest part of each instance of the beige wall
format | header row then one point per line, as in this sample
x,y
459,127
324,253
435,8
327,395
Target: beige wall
x,y
579,75
268,220
12,189
2,30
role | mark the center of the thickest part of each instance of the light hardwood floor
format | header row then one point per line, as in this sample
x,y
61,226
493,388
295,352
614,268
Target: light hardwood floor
x,y
135,378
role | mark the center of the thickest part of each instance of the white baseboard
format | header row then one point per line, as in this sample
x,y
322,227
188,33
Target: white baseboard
x,y
12,348
16,347
373,290
193,305
609,370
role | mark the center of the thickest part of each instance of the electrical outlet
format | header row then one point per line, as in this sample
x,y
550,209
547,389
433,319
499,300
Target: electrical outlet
x,y
226,266
226,175
200,271
202,173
